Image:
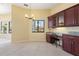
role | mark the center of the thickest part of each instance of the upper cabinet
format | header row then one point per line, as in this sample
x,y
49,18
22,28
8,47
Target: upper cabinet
x,y
77,14
66,18
60,19
51,22
69,17
56,20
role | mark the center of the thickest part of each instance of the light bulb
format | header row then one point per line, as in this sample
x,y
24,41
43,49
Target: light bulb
x,y
26,15
32,15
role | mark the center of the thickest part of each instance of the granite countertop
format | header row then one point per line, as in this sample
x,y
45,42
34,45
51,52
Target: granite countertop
x,y
73,33
60,34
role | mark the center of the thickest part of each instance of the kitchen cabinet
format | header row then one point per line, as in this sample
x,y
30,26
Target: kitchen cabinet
x,y
69,15
67,43
51,22
76,46
77,15
54,21
49,38
56,18
60,19
71,44
66,18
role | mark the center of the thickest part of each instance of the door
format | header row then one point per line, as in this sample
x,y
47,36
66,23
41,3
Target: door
x,y
67,44
61,19
51,22
77,15
48,37
69,17
76,46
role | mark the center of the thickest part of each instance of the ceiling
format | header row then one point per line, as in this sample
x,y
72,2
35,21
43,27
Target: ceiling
x,y
5,8
37,5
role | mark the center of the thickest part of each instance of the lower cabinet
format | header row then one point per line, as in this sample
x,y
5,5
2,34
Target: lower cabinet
x,y
71,44
76,46
49,38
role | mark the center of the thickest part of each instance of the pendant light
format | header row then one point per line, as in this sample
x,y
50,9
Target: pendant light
x,y
31,16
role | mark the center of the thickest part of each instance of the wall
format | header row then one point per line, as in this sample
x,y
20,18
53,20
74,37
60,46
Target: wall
x,y
22,27
19,24
39,15
59,8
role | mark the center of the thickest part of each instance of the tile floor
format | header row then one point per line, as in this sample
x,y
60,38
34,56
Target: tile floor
x,y
32,49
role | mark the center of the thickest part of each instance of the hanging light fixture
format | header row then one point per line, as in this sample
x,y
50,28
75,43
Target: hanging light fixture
x,y
31,16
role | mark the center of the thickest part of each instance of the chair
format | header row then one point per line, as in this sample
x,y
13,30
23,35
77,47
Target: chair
x,y
57,42
56,39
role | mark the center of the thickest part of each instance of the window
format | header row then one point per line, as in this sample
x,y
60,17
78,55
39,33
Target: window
x,y
38,26
5,27
9,27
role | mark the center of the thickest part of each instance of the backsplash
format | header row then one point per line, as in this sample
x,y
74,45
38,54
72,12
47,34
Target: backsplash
x,y
66,30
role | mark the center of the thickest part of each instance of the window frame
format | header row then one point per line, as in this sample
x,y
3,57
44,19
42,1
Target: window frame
x,y
38,26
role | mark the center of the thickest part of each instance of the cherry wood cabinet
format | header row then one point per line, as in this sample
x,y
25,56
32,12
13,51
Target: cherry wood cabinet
x,y
51,22
60,19
77,14
49,38
69,17
72,16
76,46
67,43
71,44
66,18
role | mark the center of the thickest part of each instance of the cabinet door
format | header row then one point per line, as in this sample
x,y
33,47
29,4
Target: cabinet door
x,y
67,44
51,22
47,38
69,17
76,46
77,15
54,22
61,19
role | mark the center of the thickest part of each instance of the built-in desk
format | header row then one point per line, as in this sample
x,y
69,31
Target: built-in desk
x,y
53,38
49,37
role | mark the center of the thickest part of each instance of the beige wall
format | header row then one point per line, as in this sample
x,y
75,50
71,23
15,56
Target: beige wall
x,y
19,24
39,15
22,27
5,16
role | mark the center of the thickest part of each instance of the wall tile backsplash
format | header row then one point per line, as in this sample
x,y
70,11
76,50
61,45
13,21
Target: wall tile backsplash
x,y
67,30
